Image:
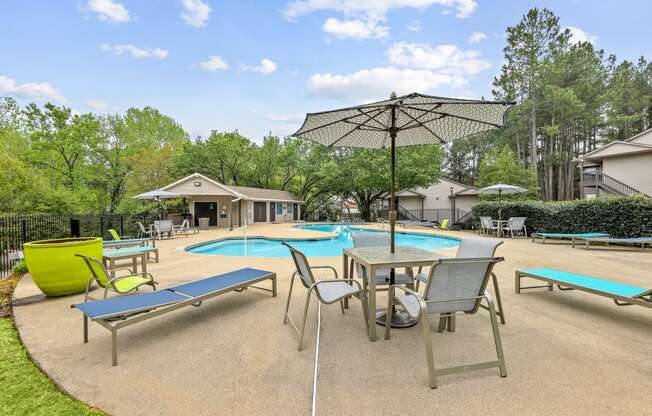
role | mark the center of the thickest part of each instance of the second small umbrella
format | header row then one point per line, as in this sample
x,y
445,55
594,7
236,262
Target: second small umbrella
x,y
157,195
500,189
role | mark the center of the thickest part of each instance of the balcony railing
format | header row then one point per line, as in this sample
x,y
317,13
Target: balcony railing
x,y
606,181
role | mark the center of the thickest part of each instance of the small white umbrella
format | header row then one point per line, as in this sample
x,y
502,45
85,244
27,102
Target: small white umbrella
x,y
500,189
156,195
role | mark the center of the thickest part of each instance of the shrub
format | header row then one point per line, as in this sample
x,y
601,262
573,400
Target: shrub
x,y
20,268
617,216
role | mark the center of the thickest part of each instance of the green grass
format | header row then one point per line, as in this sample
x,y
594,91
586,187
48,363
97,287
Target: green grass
x,y
24,389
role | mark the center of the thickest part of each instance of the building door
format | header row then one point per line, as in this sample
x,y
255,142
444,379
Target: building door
x,y
206,210
260,211
272,212
295,212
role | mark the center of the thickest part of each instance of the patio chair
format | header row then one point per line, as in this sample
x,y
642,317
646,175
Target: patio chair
x,y
454,286
488,225
183,229
444,224
470,248
515,225
382,275
163,227
327,291
143,232
119,284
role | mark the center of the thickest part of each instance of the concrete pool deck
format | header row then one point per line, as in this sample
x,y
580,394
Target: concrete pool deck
x,y
566,352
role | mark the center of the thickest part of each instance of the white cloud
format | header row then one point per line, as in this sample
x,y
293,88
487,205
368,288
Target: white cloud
x,y
377,83
414,26
266,66
477,37
31,90
135,51
97,104
108,10
196,12
444,58
214,63
355,29
578,35
373,8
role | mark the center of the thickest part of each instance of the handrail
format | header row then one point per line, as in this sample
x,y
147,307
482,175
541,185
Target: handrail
x,y
611,183
403,211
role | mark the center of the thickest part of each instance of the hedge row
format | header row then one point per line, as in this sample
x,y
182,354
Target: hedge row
x,y
617,216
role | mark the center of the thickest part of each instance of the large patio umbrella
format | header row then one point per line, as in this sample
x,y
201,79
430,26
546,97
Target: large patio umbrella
x,y
156,195
409,120
500,189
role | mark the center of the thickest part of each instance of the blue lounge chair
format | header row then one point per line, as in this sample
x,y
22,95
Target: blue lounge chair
x,y
622,294
565,236
116,313
642,241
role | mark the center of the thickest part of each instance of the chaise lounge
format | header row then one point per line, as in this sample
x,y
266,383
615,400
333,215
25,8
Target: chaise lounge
x,y
622,294
116,313
565,236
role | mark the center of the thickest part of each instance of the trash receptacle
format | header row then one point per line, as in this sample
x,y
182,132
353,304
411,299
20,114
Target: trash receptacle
x,y
203,223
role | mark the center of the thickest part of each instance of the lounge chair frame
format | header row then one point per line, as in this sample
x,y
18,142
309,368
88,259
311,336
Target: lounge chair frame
x,y
561,236
113,323
610,240
643,299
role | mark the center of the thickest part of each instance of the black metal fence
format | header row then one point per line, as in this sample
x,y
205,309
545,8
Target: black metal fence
x,y
433,215
17,229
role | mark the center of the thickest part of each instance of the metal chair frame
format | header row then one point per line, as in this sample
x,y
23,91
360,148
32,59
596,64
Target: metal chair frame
x,y
433,372
110,283
314,288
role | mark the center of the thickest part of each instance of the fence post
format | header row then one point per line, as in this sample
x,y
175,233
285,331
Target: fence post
x,y
23,225
101,226
122,228
75,228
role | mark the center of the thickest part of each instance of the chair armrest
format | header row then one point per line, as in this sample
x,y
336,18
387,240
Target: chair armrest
x,y
325,267
131,272
318,282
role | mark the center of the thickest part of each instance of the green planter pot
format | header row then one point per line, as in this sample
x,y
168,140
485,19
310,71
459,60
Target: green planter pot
x,y
54,267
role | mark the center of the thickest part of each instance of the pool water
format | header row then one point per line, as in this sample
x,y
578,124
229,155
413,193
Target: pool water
x,y
261,247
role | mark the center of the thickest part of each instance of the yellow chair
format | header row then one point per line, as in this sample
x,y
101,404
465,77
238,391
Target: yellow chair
x,y
119,284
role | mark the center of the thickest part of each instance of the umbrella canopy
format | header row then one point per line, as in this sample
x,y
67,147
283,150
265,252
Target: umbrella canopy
x,y
156,194
501,188
409,120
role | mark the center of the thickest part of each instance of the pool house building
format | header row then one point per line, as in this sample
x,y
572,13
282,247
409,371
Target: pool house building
x,y
230,206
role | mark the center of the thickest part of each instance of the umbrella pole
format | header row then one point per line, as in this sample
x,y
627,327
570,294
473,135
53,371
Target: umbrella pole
x,y
400,319
500,213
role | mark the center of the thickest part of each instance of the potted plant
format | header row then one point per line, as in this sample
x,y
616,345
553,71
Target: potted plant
x,y
54,267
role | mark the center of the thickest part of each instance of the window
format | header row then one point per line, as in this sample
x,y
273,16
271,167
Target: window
x,y
279,208
289,208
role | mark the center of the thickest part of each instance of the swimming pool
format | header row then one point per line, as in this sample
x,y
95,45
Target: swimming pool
x,y
263,247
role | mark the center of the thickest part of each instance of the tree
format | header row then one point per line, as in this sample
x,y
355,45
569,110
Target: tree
x,y
365,173
60,140
503,167
530,45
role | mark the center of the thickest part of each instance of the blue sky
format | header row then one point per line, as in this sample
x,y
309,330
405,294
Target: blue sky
x,y
259,66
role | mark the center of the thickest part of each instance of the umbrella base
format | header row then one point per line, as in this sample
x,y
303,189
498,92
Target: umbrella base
x,y
400,319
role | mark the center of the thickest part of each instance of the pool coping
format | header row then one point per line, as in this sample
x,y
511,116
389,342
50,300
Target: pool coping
x,y
330,236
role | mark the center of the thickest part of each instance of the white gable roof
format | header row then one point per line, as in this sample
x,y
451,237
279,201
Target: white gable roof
x,y
198,184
